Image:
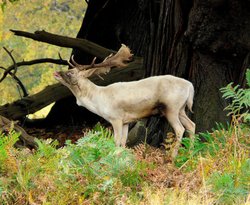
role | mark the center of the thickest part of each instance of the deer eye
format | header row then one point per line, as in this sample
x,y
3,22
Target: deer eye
x,y
69,73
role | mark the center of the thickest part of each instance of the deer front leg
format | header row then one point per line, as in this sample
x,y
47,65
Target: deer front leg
x,y
117,127
124,135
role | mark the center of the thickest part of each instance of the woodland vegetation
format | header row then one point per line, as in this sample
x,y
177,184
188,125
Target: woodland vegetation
x,y
94,171
89,169
32,15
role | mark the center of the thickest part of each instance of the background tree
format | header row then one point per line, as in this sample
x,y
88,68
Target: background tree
x,y
204,41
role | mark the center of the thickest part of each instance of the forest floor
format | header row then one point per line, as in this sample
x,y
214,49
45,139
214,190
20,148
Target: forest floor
x,y
60,133
164,174
83,166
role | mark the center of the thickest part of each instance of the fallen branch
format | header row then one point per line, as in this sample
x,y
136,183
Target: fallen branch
x,y
25,139
67,42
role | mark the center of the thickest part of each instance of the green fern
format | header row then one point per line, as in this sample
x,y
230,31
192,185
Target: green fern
x,y
231,186
6,144
96,158
46,148
240,100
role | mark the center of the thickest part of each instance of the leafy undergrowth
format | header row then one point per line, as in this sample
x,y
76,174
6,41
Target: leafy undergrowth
x,y
214,169
94,171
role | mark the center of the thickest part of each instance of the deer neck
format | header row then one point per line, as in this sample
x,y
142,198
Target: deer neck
x,y
86,93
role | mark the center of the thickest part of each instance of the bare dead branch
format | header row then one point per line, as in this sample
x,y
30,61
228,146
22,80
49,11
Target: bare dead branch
x,y
12,58
33,62
68,42
13,75
19,82
15,65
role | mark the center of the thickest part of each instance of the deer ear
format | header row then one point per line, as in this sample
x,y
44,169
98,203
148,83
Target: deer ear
x,y
88,73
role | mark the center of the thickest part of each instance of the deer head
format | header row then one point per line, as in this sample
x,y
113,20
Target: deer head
x,y
79,72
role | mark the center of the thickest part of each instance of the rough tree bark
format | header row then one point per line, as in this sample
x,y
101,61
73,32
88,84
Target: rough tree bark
x,y
204,41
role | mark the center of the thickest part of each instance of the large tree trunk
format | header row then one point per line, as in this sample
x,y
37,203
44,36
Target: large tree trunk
x,y
206,42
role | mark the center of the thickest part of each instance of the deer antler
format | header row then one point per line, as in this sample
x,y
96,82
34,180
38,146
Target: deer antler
x,y
118,60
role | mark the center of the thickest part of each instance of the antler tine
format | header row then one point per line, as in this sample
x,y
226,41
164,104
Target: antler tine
x,y
85,67
109,56
79,66
75,63
93,63
70,64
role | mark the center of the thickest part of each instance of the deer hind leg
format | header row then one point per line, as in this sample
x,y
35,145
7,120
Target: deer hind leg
x,y
187,123
173,118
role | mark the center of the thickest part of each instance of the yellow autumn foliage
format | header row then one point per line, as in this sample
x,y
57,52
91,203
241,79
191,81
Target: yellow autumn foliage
x,y
56,16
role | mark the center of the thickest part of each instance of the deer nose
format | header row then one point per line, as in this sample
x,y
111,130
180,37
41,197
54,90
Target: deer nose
x,y
57,74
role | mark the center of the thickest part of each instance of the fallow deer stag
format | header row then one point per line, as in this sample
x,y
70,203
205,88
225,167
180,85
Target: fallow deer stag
x,y
124,102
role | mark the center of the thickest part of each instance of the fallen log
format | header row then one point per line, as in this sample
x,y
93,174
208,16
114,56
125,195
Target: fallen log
x,y
25,140
52,93
67,42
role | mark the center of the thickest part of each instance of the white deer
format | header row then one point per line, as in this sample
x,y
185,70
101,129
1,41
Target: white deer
x,y
125,102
